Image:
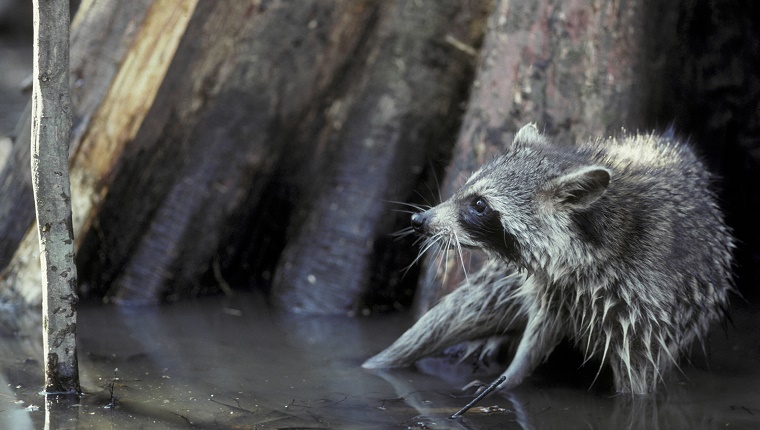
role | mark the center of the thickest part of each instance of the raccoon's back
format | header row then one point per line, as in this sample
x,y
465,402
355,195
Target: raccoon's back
x,y
664,270
663,213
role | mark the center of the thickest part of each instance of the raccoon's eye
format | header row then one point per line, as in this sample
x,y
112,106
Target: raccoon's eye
x,y
480,206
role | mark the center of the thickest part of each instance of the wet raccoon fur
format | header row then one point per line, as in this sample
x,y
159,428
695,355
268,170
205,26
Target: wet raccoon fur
x,y
616,244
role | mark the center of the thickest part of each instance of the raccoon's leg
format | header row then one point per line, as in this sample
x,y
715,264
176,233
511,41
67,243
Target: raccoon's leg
x,y
484,306
541,335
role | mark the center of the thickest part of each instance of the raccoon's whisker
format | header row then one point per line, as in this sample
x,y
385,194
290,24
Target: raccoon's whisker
x,y
431,192
405,211
437,182
405,270
428,242
404,232
445,259
461,257
415,261
427,202
416,207
419,240
442,259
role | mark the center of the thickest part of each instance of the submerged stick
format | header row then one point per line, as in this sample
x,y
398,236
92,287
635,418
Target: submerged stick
x,y
480,396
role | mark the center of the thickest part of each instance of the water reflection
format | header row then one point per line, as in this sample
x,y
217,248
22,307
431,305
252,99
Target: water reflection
x,y
228,363
61,411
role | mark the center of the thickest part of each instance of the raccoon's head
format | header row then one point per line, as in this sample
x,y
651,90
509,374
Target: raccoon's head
x,y
520,204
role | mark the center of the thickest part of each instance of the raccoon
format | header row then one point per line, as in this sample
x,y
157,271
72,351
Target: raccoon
x,y
616,244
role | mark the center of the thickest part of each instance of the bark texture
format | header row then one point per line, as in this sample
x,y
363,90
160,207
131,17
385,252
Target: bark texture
x,y
219,134
51,125
399,100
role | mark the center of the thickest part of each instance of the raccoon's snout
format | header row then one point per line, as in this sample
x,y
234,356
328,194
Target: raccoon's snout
x,y
419,220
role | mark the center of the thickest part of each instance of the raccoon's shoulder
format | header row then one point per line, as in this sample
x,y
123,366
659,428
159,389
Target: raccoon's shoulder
x,y
647,153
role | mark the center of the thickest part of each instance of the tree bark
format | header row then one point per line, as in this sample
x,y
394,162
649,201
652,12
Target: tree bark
x,y
238,85
51,125
401,100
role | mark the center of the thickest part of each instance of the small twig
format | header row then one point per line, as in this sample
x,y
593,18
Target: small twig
x,y
112,403
480,396
458,44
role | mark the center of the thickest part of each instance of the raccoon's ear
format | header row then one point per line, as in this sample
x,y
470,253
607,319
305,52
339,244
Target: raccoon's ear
x,y
528,135
579,188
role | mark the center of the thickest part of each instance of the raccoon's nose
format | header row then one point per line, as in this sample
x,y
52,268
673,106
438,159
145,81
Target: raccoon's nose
x,y
418,221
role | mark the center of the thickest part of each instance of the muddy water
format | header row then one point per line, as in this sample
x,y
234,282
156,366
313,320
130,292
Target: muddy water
x,y
232,363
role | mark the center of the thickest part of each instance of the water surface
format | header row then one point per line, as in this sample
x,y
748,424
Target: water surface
x,y
233,363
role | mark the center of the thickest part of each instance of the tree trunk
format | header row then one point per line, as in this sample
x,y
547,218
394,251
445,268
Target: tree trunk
x,y
51,126
400,101
240,83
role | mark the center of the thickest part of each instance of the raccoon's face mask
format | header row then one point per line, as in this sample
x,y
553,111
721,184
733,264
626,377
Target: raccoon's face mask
x,y
469,222
500,202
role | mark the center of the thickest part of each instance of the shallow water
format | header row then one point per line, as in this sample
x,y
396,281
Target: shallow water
x,y
232,363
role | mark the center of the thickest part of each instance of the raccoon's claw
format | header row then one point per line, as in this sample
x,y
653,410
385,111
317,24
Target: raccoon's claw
x,y
478,385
